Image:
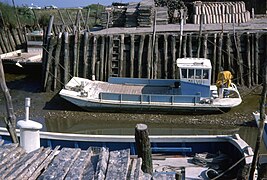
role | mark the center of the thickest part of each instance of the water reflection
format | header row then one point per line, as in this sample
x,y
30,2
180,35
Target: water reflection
x,y
105,127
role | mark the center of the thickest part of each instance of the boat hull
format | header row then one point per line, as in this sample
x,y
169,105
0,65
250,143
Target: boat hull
x,y
94,105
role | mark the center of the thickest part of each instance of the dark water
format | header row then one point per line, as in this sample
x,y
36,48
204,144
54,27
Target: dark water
x,y
58,115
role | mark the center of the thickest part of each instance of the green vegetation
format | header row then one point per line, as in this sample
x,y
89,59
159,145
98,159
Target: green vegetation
x,y
30,18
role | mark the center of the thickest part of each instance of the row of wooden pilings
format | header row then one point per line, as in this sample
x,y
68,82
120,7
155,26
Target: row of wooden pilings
x,y
11,40
138,55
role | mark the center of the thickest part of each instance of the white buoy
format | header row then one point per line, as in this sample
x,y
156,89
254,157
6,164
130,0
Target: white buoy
x,y
29,130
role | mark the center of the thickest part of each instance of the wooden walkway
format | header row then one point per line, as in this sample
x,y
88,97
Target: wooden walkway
x,y
68,163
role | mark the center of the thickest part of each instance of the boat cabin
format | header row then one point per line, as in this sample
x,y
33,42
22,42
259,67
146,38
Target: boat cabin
x,y
195,70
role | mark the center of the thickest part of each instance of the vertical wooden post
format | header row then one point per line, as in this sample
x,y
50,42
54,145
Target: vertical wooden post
x,y
165,56
87,19
57,60
66,57
184,45
132,56
253,59
205,46
85,54
121,64
257,61
102,58
240,60
110,55
94,55
2,44
156,59
248,61
11,118
173,48
228,50
75,54
214,58
149,56
219,58
143,147
190,45
140,54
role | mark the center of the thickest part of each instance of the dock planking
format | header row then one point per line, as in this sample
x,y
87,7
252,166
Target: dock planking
x,y
68,163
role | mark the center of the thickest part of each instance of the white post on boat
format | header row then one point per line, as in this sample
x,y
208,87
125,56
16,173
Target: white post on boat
x,y
29,130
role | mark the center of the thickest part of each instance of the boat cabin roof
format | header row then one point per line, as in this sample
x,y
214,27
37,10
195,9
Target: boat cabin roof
x,y
194,63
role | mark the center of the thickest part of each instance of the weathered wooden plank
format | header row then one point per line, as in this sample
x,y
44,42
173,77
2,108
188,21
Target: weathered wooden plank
x,y
22,164
190,45
10,160
61,164
44,164
102,164
8,154
78,168
2,43
136,172
118,164
27,172
7,148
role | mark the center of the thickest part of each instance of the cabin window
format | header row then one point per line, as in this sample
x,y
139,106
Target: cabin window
x,y
184,73
198,74
205,74
191,73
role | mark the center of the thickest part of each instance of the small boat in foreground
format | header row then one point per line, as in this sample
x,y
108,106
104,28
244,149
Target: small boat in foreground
x,y
192,92
257,119
198,156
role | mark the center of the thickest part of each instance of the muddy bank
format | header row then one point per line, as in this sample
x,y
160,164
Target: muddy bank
x,y
53,110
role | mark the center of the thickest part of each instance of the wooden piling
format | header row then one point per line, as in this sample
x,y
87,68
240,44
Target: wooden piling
x,y
228,50
94,51
248,54
184,45
132,56
214,58
143,147
156,58
57,61
121,64
165,59
66,57
190,45
240,61
102,58
205,46
219,58
173,51
257,60
75,54
140,53
85,54
149,56
109,71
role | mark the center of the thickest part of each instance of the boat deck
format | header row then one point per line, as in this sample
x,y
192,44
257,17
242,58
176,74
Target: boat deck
x,y
99,163
96,87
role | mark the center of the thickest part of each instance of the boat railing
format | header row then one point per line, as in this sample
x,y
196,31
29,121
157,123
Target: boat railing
x,y
149,98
